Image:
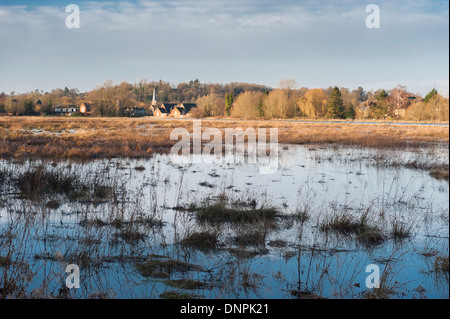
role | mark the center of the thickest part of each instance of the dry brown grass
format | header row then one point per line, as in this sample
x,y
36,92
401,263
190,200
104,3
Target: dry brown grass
x,y
90,138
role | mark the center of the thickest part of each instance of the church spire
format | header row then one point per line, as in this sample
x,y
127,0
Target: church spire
x,y
154,97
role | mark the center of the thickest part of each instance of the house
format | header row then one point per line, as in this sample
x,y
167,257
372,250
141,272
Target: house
x,y
160,112
400,112
135,112
67,111
400,101
85,108
182,110
164,110
178,112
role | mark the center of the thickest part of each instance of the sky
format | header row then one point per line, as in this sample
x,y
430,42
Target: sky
x,y
317,43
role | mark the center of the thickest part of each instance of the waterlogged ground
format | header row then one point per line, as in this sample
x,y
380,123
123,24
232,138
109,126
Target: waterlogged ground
x,y
145,228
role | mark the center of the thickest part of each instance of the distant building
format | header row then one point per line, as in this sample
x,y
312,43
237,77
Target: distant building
x,y
400,101
160,112
164,110
178,112
174,110
154,102
85,108
135,112
183,110
67,111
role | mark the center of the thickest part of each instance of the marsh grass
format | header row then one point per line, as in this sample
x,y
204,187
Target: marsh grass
x,y
363,227
188,284
250,238
208,240
345,222
53,204
400,231
132,236
37,183
441,264
440,174
372,237
250,280
157,267
120,223
220,212
4,261
93,138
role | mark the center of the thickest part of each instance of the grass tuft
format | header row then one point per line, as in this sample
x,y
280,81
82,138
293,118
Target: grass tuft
x,y
201,240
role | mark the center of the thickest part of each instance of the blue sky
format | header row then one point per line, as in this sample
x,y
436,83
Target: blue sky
x,y
318,43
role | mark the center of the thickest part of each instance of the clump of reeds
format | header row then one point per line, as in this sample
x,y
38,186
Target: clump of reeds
x,y
400,231
188,284
221,212
250,238
39,181
440,174
5,177
441,264
372,237
4,261
132,236
347,224
201,240
163,268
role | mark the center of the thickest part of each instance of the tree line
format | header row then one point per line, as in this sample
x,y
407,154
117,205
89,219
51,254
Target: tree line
x,y
238,100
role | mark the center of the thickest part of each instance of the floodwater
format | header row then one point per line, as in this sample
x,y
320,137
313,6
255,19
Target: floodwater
x,y
296,257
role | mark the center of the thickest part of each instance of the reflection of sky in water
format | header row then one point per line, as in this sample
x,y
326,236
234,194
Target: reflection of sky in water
x,y
343,178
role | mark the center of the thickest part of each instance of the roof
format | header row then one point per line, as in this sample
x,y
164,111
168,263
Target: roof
x,y
169,106
188,106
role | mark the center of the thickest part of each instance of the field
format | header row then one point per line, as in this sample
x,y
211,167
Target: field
x,y
103,194
91,138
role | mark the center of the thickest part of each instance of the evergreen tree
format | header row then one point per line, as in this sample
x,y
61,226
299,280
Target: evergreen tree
x,y
229,100
49,109
362,96
28,108
430,95
380,107
382,96
335,107
350,112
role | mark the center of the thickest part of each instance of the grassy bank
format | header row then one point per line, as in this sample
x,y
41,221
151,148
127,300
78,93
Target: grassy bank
x,y
90,138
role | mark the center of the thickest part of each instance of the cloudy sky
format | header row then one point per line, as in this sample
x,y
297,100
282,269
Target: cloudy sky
x,y
318,43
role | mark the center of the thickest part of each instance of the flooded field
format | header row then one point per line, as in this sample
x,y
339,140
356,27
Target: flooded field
x,y
150,228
